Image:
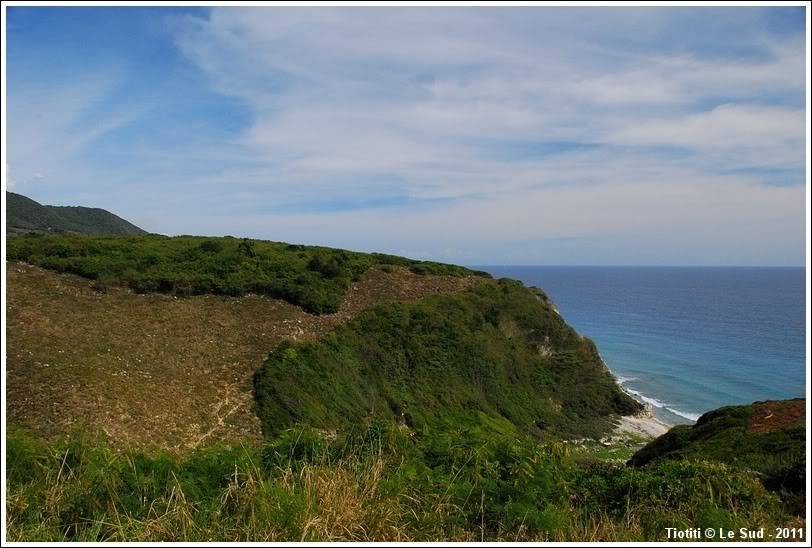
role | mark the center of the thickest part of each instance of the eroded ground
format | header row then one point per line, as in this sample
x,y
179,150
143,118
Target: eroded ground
x,y
155,370
770,416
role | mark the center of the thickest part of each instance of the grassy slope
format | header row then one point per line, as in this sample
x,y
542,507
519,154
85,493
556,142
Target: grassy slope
x,y
498,351
384,483
315,278
729,435
26,215
470,379
154,370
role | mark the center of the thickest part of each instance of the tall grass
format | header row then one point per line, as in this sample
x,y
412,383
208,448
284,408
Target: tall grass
x,y
383,483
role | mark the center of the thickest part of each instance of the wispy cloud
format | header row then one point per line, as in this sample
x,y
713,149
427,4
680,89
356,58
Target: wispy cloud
x,y
601,135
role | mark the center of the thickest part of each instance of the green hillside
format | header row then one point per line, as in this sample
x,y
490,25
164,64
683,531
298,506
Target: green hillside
x,y
24,215
312,277
767,438
441,405
496,354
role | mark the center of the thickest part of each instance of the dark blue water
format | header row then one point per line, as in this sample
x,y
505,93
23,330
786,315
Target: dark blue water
x,y
686,339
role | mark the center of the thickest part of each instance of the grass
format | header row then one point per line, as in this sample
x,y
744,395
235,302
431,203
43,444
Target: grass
x,y
154,371
617,448
315,278
382,482
498,349
441,418
735,436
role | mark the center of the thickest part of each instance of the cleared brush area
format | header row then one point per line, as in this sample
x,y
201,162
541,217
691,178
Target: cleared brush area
x,y
158,371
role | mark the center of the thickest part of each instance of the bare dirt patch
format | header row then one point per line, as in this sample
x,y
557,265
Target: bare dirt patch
x,y
155,370
770,416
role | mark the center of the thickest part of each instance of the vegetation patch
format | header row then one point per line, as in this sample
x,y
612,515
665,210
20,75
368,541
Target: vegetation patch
x,y
157,371
776,455
431,364
315,278
381,483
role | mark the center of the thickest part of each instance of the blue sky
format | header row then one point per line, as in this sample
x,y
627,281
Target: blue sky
x,y
470,135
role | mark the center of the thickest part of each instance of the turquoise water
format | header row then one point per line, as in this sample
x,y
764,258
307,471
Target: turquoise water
x,y
686,340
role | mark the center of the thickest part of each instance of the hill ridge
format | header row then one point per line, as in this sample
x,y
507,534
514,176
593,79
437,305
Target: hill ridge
x,y
24,215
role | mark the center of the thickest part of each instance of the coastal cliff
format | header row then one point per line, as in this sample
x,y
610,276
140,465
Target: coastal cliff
x,y
219,388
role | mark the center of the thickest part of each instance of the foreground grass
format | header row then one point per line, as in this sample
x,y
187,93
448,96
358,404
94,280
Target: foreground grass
x,y
379,483
315,278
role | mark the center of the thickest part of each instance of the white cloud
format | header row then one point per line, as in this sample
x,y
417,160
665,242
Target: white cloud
x,y
676,80
728,126
459,103
372,90
49,124
503,130
618,223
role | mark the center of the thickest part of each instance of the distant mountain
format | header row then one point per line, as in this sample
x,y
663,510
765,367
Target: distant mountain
x,y
25,215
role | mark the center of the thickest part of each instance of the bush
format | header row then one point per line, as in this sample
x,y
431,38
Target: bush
x,y
374,483
315,278
723,435
329,266
442,362
211,246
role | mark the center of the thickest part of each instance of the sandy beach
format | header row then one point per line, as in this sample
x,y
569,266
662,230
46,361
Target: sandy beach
x,y
644,424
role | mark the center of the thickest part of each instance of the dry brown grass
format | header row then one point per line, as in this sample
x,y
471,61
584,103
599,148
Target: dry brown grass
x,y
153,371
771,416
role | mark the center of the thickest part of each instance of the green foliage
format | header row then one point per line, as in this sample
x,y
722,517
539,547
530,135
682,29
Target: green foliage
x,y
678,494
381,482
246,248
722,435
496,350
211,246
315,278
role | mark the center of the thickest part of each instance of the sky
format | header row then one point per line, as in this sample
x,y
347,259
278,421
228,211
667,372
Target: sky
x,y
530,135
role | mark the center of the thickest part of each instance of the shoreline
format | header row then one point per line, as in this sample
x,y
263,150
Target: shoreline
x,y
645,423
642,424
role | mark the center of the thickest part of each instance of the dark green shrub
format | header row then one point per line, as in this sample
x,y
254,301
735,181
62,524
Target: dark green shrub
x,y
329,266
211,246
246,248
315,278
443,360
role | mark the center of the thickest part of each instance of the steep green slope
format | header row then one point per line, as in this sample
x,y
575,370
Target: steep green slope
x,y
496,356
25,215
315,278
767,438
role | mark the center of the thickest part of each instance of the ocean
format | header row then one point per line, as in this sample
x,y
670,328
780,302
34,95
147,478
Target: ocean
x,y
686,339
